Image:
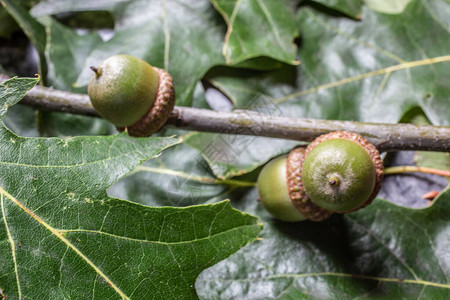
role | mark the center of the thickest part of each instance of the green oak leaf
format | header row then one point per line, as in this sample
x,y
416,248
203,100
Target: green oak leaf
x,y
437,160
155,31
63,69
233,155
376,69
180,176
367,70
62,236
20,119
52,124
258,28
428,159
388,6
350,8
383,251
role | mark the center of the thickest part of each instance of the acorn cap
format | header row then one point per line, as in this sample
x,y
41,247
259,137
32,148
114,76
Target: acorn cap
x,y
296,191
159,112
374,178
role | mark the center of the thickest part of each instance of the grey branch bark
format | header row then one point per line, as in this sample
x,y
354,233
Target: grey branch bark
x,y
386,137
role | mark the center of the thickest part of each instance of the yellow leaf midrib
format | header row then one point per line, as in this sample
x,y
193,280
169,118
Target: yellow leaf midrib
x,y
390,69
61,237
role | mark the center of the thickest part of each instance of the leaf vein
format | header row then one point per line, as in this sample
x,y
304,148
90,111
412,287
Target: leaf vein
x,y
433,16
371,233
378,92
390,69
430,240
355,39
64,166
65,231
333,274
60,236
271,23
13,246
230,30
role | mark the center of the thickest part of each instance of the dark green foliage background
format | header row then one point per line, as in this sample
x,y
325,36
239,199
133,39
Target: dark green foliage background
x,y
323,59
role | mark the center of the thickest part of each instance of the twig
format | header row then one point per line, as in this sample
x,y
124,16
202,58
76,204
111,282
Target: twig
x,y
386,137
414,169
48,99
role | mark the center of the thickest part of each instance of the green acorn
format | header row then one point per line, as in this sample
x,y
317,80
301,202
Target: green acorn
x,y
338,172
132,94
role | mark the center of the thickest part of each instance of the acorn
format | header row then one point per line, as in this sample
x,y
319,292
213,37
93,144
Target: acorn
x,y
273,191
132,94
339,172
342,171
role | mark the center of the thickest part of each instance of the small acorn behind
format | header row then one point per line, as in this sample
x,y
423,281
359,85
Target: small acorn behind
x,y
132,94
338,172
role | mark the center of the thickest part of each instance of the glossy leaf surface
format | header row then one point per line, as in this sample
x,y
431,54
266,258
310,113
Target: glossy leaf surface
x,y
62,236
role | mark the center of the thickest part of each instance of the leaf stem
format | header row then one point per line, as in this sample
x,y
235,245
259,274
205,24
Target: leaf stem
x,y
201,179
386,137
411,169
